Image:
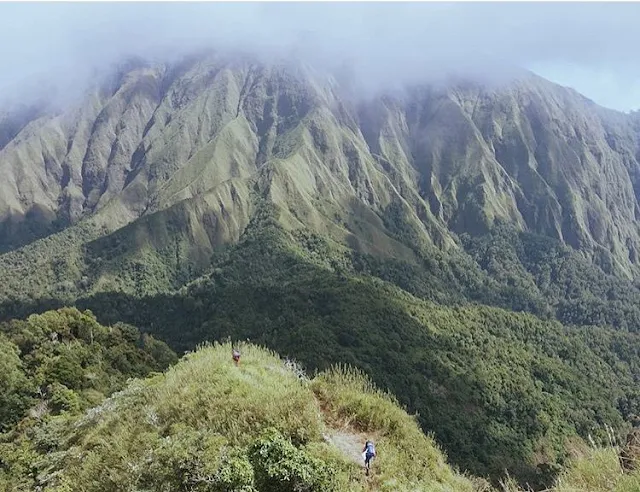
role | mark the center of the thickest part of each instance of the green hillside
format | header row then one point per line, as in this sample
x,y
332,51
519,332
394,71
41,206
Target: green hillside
x,y
498,390
596,470
206,424
473,249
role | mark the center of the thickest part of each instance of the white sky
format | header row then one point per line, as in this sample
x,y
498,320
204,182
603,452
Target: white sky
x,y
591,47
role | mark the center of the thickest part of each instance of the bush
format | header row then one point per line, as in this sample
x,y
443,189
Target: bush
x,y
235,473
281,467
62,399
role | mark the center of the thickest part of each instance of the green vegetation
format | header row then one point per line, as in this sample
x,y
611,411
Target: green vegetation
x,y
206,424
65,361
547,278
348,398
596,470
498,390
219,198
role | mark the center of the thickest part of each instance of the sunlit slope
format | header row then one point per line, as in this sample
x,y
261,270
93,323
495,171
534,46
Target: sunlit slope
x,y
206,424
451,158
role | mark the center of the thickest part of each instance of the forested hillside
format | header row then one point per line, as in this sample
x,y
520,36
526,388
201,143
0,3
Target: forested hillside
x,y
473,248
497,389
66,361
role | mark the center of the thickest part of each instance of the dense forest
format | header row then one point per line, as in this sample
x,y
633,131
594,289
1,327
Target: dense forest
x,y
462,247
66,361
499,390
54,367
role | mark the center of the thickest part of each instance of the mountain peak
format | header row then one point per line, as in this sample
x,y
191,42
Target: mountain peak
x,y
464,154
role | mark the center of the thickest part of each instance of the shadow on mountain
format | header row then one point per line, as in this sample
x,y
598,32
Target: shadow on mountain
x,y
18,230
481,380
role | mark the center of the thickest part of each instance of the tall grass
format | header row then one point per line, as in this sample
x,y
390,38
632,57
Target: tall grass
x,y
208,390
598,470
407,458
200,421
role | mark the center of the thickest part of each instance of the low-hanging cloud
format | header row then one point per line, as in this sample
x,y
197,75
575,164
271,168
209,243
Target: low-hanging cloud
x,y
384,44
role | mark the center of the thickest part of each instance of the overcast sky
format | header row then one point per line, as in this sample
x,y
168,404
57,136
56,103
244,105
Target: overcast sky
x,y
592,47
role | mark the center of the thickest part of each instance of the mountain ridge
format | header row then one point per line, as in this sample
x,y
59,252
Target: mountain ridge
x,y
459,157
224,197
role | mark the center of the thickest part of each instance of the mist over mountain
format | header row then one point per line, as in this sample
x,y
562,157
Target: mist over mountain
x,y
383,44
456,155
351,186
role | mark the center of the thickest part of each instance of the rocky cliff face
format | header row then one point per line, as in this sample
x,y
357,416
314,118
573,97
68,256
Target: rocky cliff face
x,y
204,140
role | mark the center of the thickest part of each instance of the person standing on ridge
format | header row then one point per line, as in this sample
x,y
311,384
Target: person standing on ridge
x,y
236,356
369,452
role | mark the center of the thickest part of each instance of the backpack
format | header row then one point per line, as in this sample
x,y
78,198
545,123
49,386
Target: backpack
x,y
370,448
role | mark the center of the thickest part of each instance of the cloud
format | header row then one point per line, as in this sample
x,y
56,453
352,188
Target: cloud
x,y
384,43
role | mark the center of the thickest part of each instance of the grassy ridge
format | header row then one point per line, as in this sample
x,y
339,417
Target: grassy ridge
x,y
208,425
347,395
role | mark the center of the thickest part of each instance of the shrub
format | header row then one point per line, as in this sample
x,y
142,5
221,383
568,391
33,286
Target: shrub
x,y
281,467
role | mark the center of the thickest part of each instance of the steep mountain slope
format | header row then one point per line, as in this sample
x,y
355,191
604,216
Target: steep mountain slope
x,y
210,197
204,134
530,153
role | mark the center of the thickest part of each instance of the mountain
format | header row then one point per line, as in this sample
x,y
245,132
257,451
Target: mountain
x,y
472,247
207,425
181,158
201,135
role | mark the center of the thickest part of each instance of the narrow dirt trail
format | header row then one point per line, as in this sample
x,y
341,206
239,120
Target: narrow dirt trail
x,y
342,436
349,443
